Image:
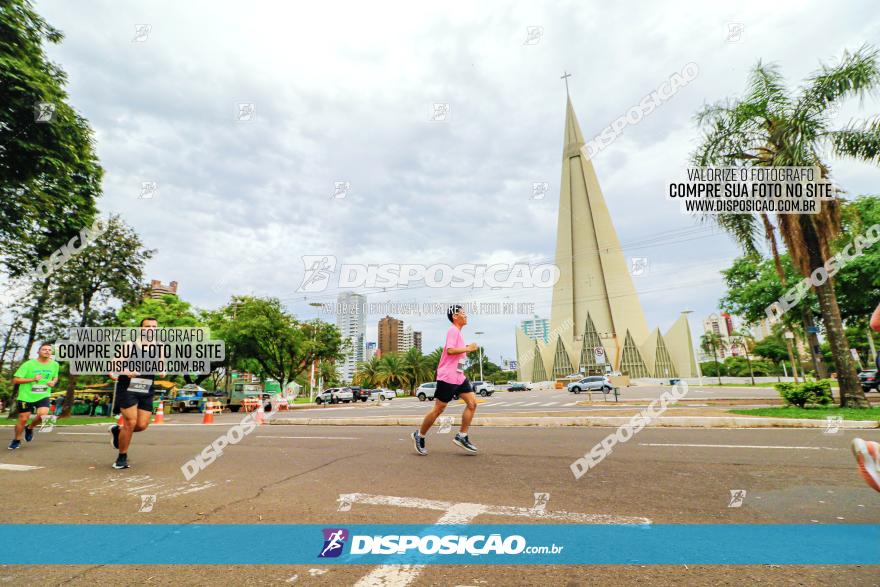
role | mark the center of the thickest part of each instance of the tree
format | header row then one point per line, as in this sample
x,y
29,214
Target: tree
x,y
169,310
712,342
391,372
49,172
770,128
281,345
747,342
109,269
367,372
416,368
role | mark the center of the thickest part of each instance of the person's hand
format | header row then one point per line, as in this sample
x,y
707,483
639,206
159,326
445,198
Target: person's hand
x,y
471,348
37,377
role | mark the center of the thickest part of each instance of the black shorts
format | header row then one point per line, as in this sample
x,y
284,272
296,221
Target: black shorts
x,y
445,391
32,406
125,399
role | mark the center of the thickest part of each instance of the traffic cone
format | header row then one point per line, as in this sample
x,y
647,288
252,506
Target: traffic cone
x,y
159,418
209,413
258,418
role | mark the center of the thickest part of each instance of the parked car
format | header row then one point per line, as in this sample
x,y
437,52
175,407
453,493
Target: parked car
x,y
360,393
382,394
868,379
335,395
593,383
484,388
426,391
518,387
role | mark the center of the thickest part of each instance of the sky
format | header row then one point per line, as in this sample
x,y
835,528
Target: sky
x,y
343,94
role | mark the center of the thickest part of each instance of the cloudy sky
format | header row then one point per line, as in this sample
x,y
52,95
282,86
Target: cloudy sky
x,y
344,92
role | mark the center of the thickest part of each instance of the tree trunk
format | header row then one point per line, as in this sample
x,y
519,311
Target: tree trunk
x,y
34,315
813,343
13,328
851,393
791,358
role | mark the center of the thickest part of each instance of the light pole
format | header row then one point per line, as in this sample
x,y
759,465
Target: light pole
x,y
480,347
312,376
789,337
693,350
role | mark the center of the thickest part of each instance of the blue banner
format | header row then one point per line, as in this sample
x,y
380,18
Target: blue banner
x,y
564,544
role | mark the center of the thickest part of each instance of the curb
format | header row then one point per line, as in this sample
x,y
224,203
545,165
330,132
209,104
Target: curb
x,y
608,421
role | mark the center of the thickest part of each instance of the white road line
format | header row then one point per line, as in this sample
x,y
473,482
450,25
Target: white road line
x,y
547,405
514,403
83,433
5,467
530,404
313,437
571,404
739,446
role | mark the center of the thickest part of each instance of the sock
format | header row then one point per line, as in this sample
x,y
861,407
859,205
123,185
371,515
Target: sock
x,y
123,455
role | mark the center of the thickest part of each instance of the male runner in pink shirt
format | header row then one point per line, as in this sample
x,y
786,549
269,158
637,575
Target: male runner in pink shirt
x,y
451,382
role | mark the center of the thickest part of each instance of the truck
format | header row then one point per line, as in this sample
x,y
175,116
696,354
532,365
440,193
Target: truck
x,y
187,398
241,391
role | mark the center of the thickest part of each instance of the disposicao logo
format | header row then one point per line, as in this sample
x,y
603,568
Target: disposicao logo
x,y
334,541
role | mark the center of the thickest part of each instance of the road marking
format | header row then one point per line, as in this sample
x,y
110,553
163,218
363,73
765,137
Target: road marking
x,y
530,404
4,467
739,446
314,437
83,433
547,405
461,513
571,404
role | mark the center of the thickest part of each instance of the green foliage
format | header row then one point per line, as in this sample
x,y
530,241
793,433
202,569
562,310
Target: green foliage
x,y
806,392
169,310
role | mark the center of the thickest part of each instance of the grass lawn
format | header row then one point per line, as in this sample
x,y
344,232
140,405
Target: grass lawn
x,y
813,413
72,421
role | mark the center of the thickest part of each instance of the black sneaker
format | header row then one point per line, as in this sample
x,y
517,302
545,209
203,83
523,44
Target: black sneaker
x,y
14,444
114,431
121,462
420,443
28,434
462,441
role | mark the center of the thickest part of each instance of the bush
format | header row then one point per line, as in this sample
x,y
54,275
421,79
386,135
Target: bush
x,y
808,392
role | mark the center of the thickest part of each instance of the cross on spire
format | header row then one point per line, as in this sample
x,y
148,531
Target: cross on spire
x,y
565,77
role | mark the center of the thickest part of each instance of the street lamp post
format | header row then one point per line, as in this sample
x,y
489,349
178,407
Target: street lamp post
x,y
480,347
312,375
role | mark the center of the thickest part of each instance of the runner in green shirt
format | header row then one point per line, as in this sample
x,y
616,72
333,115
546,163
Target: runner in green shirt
x,y
35,379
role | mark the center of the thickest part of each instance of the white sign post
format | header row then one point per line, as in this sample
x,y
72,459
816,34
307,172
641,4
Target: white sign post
x,y
599,354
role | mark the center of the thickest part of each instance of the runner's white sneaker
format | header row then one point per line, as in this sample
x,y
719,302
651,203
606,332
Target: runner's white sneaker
x,y
867,453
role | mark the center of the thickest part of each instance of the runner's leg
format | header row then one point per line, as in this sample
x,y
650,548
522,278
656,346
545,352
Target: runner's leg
x,y
129,423
470,400
20,424
36,421
143,420
432,416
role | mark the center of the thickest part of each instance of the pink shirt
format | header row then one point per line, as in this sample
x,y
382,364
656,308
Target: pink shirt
x,y
448,370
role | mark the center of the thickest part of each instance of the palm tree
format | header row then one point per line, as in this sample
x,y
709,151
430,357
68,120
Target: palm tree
x,y
390,372
367,372
713,342
747,341
417,368
770,128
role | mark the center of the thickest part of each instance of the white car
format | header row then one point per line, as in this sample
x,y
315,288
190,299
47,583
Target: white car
x,y
593,383
426,391
484,388
335,395
382,394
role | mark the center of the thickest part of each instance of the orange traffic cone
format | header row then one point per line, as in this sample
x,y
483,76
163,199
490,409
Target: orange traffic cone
x,y
160,413
258,418
209,413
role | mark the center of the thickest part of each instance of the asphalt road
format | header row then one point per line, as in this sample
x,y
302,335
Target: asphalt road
x,y
534,401
296,474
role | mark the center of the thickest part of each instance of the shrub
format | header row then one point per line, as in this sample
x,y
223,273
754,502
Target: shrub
x,y
808,392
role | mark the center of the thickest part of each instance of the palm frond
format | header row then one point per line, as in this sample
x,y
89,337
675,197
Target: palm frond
x,y
858,140
857,74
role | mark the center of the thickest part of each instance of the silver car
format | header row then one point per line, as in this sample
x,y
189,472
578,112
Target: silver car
x,y
593,383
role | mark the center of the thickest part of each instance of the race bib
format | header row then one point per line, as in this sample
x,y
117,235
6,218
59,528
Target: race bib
x,y
140,385
460,367
37,388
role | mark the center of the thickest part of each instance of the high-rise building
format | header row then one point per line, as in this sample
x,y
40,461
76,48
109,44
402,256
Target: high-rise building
x,y
390,333
370,351
596,320
417,340
159,289
351,320
537,329
729,346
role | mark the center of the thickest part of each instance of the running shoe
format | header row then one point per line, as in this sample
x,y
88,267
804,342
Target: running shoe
x,y
14,444
121,462
114,432
420,443
463,441
28,434
867,453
